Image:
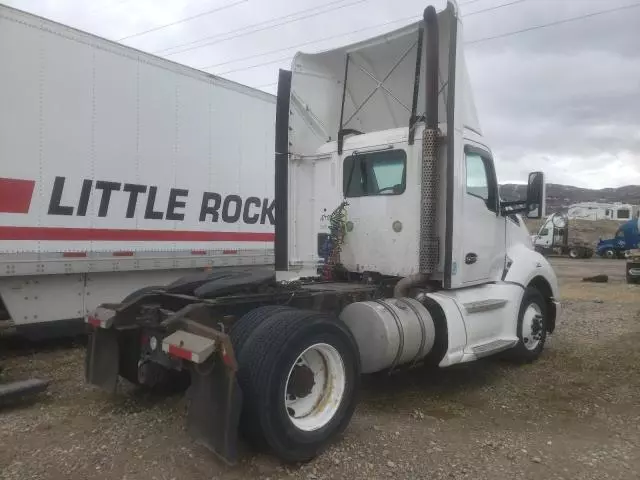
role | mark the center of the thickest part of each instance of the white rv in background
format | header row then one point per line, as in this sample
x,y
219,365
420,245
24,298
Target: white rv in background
x,y
120,170
601,211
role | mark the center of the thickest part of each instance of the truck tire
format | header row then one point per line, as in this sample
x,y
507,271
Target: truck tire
x,y
574,253
299,373
243,328
532,327
609,253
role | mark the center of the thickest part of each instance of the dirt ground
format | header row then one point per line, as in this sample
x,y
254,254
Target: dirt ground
x,y
574,414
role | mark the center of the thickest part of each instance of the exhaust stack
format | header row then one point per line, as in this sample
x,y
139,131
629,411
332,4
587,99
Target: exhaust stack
x,y
429,245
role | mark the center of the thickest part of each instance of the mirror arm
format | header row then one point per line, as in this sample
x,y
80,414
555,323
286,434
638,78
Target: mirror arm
x,y
513,208
513,203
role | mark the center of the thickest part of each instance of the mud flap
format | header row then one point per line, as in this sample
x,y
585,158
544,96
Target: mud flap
x,y
215,402
101,359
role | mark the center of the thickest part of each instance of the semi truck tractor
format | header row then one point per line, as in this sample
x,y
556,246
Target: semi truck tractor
x,y
392,251
557,236
626,238
119,171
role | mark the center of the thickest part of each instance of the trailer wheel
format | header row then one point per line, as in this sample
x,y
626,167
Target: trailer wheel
x,y
532,327
299,374
243,328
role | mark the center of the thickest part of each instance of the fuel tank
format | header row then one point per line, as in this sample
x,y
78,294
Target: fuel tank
x,y
390,332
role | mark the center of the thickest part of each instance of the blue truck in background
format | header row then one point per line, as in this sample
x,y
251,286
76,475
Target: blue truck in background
x,y
626,238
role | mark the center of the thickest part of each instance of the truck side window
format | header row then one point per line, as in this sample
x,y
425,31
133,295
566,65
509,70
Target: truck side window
x,y
480,180
544,232
376,173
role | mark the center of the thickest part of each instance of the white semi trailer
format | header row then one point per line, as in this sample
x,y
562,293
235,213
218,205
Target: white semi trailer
x,y
392,250
119,170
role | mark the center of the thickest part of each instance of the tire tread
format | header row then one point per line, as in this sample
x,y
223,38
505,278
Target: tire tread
x,y
258,358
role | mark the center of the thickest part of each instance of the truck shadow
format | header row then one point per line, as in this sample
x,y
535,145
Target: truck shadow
x,y
427,387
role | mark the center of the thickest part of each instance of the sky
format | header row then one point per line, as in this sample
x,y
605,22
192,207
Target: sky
x,y
564,99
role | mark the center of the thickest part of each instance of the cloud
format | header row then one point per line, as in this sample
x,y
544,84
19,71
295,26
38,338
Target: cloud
x,y
564,98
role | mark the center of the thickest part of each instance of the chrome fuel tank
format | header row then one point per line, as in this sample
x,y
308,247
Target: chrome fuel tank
x,y
390,332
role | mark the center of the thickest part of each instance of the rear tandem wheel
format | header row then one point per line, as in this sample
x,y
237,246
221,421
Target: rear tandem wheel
x,y
299,372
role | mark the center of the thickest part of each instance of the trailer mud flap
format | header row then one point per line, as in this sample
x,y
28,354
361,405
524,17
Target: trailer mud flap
x,y
101,359
215,402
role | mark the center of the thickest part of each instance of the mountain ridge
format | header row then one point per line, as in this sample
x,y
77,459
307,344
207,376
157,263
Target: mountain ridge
x,y
561,196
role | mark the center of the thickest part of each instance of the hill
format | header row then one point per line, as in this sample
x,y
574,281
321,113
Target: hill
x,y
561,196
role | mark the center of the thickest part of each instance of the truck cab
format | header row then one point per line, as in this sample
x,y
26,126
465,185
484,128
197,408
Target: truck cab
x,y
627,237
557,236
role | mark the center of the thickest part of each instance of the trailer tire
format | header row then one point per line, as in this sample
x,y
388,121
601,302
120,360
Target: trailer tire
x,y
298,360
532,332
243,328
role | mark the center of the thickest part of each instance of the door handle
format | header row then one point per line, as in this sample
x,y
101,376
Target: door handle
x,y
470,258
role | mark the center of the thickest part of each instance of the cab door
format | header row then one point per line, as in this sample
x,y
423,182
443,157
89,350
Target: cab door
x,y
484,229
382,232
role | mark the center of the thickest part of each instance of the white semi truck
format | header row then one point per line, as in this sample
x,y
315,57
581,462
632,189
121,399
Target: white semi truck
x,y
557,236
392,250
119,170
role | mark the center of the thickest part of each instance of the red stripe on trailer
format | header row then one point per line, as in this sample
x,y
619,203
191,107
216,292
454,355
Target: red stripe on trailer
x,y
229,252
74,254
122,254
198,252
121,235
15,195
179,352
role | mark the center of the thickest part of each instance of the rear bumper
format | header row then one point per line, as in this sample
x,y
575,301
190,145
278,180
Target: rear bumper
x,y
215,398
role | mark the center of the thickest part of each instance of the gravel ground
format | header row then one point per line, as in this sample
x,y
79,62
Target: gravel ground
x,y
574,414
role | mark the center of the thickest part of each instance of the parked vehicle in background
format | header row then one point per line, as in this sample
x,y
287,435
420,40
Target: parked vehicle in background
x,y
601,211
556,236
119,171
626,238
633,265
